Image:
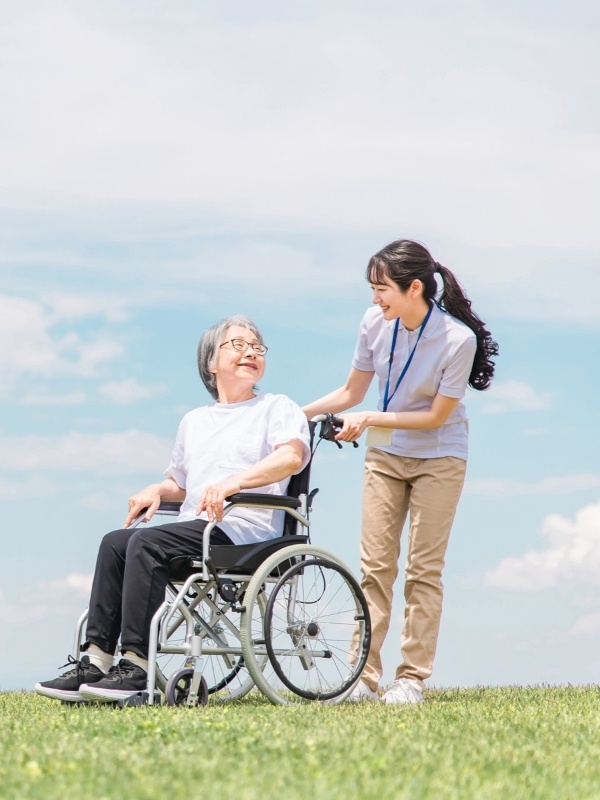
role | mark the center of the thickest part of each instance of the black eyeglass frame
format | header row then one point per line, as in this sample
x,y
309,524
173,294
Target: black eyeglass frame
x,y
259,348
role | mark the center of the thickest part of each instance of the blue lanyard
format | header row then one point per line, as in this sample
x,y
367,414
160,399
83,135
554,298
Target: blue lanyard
x,y
387,397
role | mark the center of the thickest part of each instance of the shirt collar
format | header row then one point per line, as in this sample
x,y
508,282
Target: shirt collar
x,y
434,321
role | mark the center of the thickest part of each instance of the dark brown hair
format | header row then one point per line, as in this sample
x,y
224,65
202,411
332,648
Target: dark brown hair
x,y
404,261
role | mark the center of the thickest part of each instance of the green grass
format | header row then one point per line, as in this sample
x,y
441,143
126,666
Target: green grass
x,y
475,743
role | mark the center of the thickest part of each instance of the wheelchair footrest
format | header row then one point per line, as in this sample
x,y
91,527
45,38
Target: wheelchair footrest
x,y
140,699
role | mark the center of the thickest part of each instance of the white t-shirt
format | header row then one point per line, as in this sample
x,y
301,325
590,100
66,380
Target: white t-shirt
x,y
441,364
217,441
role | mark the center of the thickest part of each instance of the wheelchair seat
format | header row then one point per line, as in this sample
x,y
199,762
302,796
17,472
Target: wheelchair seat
x,y
242,558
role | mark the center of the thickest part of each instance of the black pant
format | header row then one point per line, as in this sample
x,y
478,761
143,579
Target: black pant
x,y
131,579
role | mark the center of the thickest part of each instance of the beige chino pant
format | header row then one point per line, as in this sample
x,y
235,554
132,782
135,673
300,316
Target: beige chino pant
x,y
428,488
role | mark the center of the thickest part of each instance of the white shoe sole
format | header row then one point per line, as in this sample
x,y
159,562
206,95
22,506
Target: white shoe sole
x,y
362,695
90,693
59,694
401,700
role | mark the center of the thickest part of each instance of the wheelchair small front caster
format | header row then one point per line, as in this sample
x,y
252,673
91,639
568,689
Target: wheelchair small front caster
x,y
178,688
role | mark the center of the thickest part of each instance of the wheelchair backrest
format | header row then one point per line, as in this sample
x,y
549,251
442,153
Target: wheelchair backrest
x,y
299,484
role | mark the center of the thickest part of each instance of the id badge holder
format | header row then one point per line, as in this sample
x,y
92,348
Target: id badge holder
x,y
379,437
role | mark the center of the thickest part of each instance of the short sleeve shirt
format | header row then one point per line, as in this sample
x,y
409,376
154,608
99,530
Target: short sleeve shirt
x,y
217,441
441,364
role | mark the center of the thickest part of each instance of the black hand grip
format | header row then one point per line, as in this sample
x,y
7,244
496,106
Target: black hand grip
x,y
329,428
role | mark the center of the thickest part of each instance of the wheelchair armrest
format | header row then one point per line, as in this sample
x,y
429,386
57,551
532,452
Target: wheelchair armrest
x,y
169,506
243,498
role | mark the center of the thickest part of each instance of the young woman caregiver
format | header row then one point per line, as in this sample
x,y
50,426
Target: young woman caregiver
x,y
425,353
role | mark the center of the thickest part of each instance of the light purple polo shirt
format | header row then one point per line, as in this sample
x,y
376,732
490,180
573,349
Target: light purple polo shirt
x,y
441,364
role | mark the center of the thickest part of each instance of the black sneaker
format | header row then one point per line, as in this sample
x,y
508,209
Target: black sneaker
x,y
121,681
66,687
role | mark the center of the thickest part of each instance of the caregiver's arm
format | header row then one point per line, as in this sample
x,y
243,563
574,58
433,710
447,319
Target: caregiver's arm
x,y
356,422
347,396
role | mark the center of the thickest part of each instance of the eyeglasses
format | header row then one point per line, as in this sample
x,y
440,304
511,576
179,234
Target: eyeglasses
x,y
241,345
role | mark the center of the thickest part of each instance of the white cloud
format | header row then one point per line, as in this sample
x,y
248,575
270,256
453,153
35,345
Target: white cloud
x,y
98,501
21,613
130,391
30,486
515,396
103,347
320,118
586,626
28,343
506,488
63,597
129,451
77,583
570,560
70,399
66,306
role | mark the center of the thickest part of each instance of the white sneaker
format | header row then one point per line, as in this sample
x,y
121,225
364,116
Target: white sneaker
x,y
361,693
403,690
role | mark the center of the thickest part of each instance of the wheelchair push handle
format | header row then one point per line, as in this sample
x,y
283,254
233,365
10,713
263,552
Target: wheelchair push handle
x,y
330,425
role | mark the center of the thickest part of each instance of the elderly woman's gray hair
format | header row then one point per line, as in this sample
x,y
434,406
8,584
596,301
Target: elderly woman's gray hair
x,y
209,345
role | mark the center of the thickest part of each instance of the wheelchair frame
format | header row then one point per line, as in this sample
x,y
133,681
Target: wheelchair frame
x,y
297,636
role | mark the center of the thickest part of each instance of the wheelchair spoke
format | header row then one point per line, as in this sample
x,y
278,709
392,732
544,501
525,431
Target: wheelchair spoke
x,y
315,613
225,673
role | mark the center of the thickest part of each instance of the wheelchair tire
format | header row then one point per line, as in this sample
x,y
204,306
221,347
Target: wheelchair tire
x,y
226,676
316,618
178,688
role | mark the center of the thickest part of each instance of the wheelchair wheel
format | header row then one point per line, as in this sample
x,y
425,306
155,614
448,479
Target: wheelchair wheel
x,y
226,674
178,689
316,629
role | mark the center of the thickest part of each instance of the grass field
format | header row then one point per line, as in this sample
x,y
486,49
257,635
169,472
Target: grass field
x,y
469,743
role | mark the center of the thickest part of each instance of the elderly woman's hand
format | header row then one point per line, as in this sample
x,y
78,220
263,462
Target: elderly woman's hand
x,y
148,499
213,498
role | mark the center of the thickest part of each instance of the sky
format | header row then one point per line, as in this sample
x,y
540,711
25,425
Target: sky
x,y
165,165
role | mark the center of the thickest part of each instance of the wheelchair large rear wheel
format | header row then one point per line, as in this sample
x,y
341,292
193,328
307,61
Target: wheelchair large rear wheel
x,y
316,630
227,675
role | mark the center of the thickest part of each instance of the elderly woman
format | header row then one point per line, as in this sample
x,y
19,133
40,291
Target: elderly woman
x,y
244,441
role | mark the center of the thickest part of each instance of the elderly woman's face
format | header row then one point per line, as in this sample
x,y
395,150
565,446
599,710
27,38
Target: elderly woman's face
x,y
245,364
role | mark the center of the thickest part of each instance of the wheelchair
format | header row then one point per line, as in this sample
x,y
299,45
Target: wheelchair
x,y
282,617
